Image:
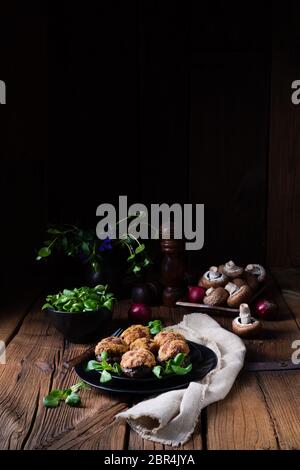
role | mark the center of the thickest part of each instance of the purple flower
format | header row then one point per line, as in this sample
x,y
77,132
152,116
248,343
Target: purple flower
x,y
81,255
106,245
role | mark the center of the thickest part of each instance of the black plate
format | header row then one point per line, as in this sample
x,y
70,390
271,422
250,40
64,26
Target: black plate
x,y
202,358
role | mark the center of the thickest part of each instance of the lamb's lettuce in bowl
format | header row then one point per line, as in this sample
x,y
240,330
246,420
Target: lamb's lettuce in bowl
x,y
80,313
81,299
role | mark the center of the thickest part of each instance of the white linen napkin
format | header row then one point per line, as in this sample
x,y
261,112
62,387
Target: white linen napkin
x,y
170,418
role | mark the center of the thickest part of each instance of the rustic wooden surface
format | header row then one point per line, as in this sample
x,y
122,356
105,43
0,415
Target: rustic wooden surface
x,y
262,411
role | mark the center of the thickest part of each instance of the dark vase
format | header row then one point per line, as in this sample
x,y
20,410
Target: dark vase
x,y
60,272
112,270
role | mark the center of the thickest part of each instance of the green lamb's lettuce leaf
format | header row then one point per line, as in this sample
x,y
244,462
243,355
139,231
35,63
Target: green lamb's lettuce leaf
x,y
157,371
69,395
155,326
181,370
51,402
93,365
178,360
117,368
105,376
73,399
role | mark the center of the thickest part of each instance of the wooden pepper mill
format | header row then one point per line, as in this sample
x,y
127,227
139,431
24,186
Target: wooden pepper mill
x,y
173,266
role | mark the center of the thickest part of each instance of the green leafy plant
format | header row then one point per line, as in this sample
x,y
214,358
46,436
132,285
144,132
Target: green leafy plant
x,y
175,365
104,368
82,299
138,258
85,245
72,241
69,395
155,326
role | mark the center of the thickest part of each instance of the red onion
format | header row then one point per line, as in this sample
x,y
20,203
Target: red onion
x,y
140,313
196,294
265,309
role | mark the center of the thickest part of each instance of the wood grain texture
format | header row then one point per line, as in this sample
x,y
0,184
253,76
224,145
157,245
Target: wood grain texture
x,y
13,314
282,397
31,358
241,420
137,443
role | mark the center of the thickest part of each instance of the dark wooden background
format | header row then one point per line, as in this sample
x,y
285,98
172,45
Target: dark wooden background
x,y
162,101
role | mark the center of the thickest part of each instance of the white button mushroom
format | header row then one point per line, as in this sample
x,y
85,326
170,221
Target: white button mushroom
x,y
237,294
213,278
231,270
215,296
256,270
245,325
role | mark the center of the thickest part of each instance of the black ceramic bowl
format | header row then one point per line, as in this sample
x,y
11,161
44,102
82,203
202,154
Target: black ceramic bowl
x,y
79,327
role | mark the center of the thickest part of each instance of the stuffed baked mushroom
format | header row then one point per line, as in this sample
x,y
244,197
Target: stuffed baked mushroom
x,y
135,332
114,347
167,335
145,343
137,363
170,349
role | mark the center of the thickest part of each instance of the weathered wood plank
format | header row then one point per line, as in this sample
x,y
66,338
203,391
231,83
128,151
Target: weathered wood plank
x,y
24,380
97,430
241,420
13,313
269,350
137,443
281,391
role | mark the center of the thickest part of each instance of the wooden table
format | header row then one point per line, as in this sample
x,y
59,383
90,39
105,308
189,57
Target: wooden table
x,y
261,412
